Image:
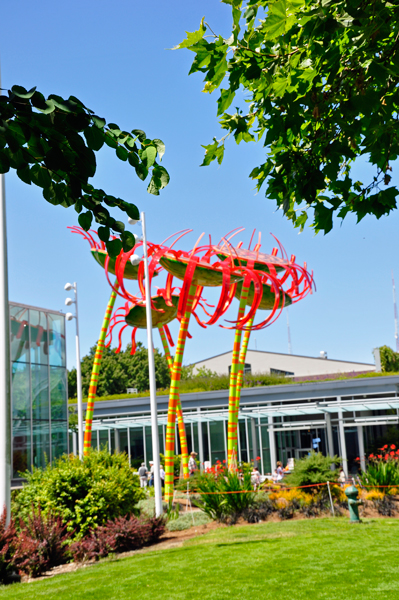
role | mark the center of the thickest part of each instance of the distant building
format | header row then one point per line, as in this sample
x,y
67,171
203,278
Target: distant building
x,y
284,364
38,387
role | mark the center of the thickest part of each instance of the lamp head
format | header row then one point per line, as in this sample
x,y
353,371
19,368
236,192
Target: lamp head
x,y
69,316
135,260
133,221
68,286
68,301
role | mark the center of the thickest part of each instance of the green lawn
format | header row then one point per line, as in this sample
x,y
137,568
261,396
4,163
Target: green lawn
x,y
293,560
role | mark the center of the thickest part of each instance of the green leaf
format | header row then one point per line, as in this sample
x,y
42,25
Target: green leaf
x,y
21,92
128,241
140,134
149,155
160,146
192,37
94,137
4,161
40,176
118,226
113,248
98,121
24,175
131,210
85,220
122,153
161,173
225,100
110,141
103,233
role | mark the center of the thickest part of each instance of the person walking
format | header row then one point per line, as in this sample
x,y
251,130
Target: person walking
x,y
143,474
192,463
255,478
162,475
151,482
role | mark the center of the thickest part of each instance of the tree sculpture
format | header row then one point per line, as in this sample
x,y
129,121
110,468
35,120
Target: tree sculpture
x,y
257,280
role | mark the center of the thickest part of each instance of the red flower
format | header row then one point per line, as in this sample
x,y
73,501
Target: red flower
x,y
371,456
258,458
393,446
386,446
386,456
224,461
392,453
379,456
357,458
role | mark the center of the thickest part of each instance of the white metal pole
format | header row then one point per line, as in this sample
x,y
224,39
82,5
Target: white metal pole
x,y
5,391
78,378
153,389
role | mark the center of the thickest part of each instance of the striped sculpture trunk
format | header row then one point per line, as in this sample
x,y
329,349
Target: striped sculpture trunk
x,y
234,372
96,368
174,396
240,375
180,420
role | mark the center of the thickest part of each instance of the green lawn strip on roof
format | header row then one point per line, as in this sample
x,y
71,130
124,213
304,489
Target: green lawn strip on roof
x,y
192,388
318,559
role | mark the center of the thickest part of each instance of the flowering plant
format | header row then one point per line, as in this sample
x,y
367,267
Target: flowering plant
x,y
382,469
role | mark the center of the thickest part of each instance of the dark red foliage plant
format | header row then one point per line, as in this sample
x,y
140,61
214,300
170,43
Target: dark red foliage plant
x,y
121,535
7,547
41,544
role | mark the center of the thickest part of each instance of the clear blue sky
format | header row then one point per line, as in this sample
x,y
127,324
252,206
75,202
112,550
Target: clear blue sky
x,y
115,58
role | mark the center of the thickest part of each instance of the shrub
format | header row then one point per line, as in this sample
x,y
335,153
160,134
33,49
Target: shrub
x,y
121,535
186,521
259,510
225,494
7,547
85,493
42,543
312,469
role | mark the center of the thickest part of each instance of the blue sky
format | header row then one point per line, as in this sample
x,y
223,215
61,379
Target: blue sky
x,y
115,58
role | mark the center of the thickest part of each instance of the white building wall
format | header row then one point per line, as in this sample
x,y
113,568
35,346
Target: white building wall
x,y
263,362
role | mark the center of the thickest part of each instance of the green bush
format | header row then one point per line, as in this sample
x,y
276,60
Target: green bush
x,y
185,521
315,468
224,495
84,493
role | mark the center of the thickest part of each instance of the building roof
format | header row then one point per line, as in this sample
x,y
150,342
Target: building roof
x,y
288,355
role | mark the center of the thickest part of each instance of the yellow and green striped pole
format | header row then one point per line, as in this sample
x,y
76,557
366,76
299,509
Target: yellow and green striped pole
x,y
240,374
180,420
233,401
174,396
96,368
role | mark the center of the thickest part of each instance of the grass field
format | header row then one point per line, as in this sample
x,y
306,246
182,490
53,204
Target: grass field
x,y
293,560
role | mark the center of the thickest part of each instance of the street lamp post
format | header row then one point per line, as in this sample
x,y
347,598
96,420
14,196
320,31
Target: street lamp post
x,y
69,316
135,259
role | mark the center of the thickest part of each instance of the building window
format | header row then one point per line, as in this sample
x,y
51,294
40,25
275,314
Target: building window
x,y
280,372
39,387
247,369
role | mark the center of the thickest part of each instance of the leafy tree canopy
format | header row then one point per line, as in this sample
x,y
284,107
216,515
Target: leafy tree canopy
x,y
389,359
321,80
52,143
120,371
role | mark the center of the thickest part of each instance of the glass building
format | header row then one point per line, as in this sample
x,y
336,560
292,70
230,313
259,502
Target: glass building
x,y
38,386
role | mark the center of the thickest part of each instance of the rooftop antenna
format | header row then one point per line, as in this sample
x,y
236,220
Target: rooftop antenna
x,y
395,312
289,334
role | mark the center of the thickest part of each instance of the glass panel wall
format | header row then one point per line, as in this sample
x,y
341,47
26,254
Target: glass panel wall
x,y
39,387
